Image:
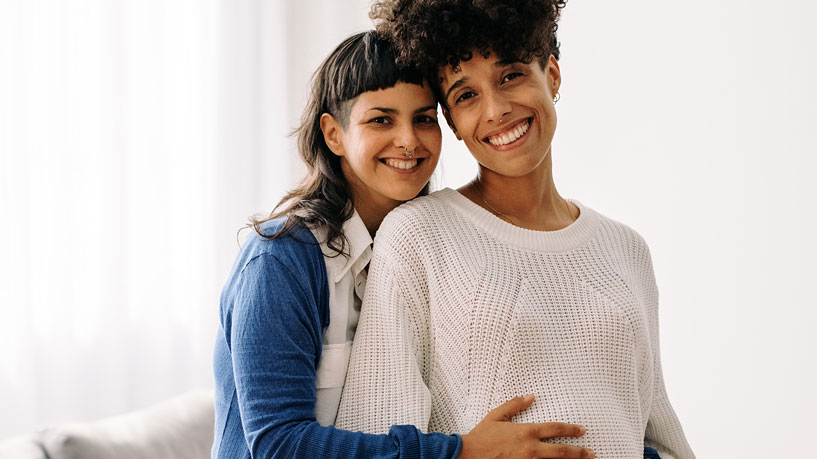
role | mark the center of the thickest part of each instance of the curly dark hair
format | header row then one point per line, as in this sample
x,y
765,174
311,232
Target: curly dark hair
x,y
435,33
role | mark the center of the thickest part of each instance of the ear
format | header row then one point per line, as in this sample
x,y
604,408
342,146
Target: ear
x,y
450,122
554,75
332,134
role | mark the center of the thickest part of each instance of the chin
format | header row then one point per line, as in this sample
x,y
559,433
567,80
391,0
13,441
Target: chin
x,y
405,195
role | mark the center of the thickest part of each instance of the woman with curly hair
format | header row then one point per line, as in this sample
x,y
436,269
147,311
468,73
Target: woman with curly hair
x,y
503,286
370,140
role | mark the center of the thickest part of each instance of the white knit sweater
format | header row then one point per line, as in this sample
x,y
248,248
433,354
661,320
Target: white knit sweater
x,y
464,311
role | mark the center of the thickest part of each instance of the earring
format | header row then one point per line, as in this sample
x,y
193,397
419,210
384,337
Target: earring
x,y
408,153
556,99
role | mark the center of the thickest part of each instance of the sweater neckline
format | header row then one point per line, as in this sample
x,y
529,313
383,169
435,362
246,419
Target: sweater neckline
x,y
570,237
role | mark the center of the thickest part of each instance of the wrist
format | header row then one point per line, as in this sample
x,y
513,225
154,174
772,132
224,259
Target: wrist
x,y
466,446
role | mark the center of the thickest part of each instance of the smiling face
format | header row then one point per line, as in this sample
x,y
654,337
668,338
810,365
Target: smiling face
x,y
382,126
503,111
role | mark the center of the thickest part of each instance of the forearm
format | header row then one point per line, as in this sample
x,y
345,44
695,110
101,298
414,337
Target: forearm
x,y
308,440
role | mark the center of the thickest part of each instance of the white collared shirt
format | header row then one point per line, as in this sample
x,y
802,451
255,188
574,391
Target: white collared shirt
x,y
347,282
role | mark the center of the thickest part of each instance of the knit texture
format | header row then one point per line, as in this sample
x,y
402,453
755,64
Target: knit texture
x,y
464,311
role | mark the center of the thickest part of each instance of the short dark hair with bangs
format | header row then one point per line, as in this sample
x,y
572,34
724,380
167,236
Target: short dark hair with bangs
x,y
361,63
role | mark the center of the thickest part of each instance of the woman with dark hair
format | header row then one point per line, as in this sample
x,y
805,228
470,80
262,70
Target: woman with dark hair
x,y
370,140
503,286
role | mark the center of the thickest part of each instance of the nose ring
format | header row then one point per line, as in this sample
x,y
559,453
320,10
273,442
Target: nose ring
x,y
408,153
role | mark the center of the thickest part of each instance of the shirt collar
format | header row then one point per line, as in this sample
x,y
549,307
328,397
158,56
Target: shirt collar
x,y
359,248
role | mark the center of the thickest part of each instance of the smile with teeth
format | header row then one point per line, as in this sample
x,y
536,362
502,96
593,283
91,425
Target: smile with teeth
x,y
403,164
510,135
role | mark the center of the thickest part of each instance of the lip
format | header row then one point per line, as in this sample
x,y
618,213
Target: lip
x,y
507,128
420,161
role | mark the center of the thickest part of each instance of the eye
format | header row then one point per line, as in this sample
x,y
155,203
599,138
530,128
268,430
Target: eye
x,y
425,119
380,120
511,76
465,96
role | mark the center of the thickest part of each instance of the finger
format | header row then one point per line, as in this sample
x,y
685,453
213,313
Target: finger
x,y
547,430
553,450
510,408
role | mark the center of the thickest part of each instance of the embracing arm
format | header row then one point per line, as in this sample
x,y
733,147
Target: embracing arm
x,y
275,340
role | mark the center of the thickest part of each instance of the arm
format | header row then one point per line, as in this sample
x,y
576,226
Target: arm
x,y
664,432
275,339
385,383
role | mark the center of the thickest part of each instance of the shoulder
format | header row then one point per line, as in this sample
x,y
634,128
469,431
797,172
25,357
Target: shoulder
x,y
280,269
626,248
417,224
293,259
427,234
428,212
297,249
620,235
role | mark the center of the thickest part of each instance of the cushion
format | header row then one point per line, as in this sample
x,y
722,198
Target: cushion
x,y
179,428
21,447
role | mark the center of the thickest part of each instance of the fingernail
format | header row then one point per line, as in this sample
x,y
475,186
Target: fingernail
x,y
583,430
528,397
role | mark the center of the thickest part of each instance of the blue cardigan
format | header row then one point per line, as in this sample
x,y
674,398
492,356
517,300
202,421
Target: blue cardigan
x,y
273,311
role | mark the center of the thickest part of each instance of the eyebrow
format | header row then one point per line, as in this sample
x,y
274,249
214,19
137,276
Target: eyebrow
x,y
463,80
395,111
456,85
506,63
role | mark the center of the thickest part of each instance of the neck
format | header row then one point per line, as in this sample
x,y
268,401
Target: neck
x,y
372,212
530,201
371,209
371,206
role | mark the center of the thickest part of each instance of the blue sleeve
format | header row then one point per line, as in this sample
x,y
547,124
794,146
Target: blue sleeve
x,y
650,453
275,340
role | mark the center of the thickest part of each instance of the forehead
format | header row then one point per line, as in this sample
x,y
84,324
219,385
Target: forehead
x,y
450,73
400,97
474,67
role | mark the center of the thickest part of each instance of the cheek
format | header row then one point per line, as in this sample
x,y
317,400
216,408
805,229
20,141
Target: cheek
x,y
432,139
363,148
465,122
469,132
546,101
549,118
